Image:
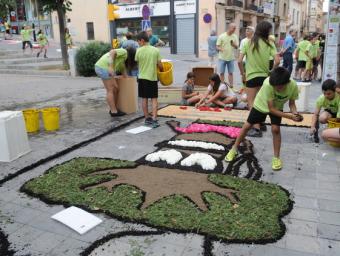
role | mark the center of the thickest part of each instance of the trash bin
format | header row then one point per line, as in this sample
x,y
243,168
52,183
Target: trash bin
x,y
334,123
302,102
166,76
13,136
51,117
31,117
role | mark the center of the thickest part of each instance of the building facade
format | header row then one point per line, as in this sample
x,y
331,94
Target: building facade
x,y
315,16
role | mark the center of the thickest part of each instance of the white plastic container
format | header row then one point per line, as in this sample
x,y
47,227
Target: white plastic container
x,y
13,136
302,102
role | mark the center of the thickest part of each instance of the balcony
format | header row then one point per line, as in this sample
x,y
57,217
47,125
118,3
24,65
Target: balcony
x,y
235,3
252,7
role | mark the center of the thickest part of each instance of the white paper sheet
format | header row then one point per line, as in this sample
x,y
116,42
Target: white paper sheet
x,y
77,219
139,129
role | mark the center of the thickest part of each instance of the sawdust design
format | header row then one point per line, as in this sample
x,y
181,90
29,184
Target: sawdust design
x,y
158,183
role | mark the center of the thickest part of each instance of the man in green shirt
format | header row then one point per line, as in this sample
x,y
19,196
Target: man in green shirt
x,y
226,43
148,59
26,35
329,101
274,93
302,51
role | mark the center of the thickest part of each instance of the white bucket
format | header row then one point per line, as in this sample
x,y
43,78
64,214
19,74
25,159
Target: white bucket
x,y
302,102
13,136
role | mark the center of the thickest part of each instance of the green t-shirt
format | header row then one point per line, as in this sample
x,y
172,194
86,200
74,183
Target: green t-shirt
x,y
26,34
147,58
118,62
42,39
68,39
313,49
224,41
268,93
257,64
332,105
303,47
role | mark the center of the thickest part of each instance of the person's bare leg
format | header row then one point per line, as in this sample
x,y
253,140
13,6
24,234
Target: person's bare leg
x,y
332,135
231,79
230,100
154,108
110,95
324,116
194,99
276,140
222,77
145,107
243,133
251,94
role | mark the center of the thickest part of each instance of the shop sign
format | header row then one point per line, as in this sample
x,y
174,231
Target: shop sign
x,y
268,8
135,10
185,7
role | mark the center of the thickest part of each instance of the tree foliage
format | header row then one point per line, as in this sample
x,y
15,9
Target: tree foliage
x,y
5,6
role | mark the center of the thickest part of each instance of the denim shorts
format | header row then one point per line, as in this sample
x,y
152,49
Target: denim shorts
x,y
102,73
223,63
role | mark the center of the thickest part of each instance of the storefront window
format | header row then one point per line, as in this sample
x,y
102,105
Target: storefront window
x,y
159,26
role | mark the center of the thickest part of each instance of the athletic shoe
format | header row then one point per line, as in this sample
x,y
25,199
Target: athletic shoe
x,y
231,155
118,113
148,121
155,124
276,164
253,132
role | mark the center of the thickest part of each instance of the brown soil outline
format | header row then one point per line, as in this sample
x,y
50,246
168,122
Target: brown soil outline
x,y
159,183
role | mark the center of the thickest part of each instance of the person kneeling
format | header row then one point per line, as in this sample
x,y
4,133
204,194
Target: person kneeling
x,y
275,92
329,101
217,93
189,96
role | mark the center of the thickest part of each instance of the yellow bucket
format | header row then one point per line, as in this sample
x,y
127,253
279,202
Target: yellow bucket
x,y
51,118
166,76
31,117
334,123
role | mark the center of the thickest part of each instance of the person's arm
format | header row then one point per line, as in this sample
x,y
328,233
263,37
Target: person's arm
x,y
315,120
217,95
276,60
203,99
240,66
292,107
279,113
112,57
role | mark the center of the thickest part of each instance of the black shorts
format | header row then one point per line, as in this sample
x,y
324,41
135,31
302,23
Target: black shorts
x,y
315,62
26,42
8,31
257,117
301,64
331,113
255,82
147,89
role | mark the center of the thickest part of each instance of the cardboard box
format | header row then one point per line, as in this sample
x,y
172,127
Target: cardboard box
x,y
128,96
202,75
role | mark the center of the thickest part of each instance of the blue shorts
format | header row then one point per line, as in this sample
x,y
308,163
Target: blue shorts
x,y
102,73
223,63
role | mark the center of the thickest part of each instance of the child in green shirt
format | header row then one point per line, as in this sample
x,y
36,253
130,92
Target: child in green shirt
x,y
275,92
106,68
26,34
148,59
43,42
329,101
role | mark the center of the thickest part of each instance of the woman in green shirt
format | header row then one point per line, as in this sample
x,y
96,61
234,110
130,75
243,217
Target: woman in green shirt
x,y
106,68
43,42
258,52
